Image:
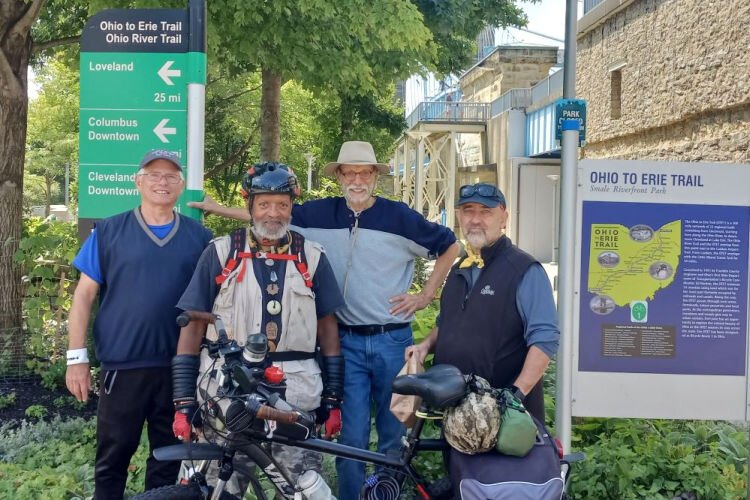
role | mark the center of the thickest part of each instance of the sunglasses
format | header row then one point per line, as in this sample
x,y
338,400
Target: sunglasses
x,y
486,190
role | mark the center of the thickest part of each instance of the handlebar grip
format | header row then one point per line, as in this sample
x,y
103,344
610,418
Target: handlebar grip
x,y
204,317
188,316
265,412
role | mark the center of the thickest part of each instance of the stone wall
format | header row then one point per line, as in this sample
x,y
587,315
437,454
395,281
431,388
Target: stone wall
x,y
506,68
685,90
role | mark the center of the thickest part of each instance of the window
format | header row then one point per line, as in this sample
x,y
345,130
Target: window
x,y
615,98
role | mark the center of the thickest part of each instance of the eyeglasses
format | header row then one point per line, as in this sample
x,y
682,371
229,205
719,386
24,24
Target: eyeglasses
x,y
350,175
154,177
486,190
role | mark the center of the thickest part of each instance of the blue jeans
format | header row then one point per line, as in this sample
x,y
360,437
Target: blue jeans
x,y
371,364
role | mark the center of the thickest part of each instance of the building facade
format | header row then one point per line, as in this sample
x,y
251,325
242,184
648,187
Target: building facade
x,y
666,79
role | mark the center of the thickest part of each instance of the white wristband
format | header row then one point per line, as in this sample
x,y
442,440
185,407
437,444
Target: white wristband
x,y
78,356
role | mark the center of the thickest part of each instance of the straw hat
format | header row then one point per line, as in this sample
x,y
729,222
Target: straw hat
x,y
356,153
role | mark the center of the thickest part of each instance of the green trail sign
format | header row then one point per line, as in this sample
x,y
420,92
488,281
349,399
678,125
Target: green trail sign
x,y
136,67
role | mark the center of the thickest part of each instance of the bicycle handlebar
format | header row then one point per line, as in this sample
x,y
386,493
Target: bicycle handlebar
x,y
204,317
266,412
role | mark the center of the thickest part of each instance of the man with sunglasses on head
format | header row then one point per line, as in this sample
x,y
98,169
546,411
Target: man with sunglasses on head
x,y
371,243
497,312
138,263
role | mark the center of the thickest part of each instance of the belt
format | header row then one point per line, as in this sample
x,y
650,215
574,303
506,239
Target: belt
x,y
373,329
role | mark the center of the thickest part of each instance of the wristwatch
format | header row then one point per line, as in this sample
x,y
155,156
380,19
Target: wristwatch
x,y
518,393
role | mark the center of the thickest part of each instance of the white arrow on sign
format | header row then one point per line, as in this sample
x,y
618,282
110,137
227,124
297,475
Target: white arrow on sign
x,y
166,72
161,130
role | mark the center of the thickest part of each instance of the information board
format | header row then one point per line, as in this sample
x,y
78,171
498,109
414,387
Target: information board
x,y
662,313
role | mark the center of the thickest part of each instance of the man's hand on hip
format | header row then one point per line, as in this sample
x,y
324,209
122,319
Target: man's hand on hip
x,y
407,304
78,381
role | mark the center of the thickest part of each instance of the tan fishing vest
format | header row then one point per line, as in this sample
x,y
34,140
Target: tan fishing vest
x,y
240,306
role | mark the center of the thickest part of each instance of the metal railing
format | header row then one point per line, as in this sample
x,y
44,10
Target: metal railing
x,y
549,87
590,4
512,99
449,111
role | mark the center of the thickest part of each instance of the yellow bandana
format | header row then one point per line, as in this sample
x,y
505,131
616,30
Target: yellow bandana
x,y
471,259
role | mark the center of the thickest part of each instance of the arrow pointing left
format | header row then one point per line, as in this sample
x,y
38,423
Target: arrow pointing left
x,y
161,130
166,72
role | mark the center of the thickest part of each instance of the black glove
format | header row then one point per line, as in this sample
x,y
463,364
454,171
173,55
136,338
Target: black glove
x,y
185,369
332,368
333,378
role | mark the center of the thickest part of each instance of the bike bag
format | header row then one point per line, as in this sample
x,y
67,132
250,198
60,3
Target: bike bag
x,y
536,476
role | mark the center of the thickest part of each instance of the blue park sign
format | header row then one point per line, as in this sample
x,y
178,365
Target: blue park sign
x,y
571,109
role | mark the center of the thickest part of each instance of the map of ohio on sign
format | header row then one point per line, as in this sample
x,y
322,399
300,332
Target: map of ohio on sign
x,y
629,264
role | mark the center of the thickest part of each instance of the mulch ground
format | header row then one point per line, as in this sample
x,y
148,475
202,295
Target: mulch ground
x,y
31,392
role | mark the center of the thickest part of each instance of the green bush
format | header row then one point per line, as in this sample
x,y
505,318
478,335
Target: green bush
x,y
45,253
8,400
55,459
634,459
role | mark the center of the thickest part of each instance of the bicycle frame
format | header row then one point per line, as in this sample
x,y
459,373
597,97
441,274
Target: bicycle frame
x,y
252,446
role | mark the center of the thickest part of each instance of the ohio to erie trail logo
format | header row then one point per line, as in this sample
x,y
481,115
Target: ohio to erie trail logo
x,y
487,290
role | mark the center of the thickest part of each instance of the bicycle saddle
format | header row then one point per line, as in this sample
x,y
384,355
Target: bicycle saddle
x,y
441,386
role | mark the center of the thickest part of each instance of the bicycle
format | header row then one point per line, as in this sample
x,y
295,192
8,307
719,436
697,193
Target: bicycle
x,y
256,415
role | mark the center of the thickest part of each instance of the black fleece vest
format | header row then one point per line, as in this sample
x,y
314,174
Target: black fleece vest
x,y
481,331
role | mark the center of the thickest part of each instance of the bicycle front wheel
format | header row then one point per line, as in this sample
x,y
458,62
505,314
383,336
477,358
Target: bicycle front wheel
x,y
179,492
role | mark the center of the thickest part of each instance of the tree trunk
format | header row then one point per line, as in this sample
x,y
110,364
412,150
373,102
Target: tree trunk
x,y
347,118
270,108
16,18
48,195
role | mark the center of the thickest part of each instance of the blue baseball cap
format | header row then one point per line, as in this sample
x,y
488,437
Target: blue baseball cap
x,y
161,154
483,193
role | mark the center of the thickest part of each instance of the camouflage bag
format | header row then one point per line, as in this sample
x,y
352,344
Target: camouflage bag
x,y
472,426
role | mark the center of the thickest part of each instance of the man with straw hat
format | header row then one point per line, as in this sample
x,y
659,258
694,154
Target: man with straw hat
x,y
371,243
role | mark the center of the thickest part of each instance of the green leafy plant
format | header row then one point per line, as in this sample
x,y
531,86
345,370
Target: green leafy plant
x,y
633,459
45,253
7,400
36,411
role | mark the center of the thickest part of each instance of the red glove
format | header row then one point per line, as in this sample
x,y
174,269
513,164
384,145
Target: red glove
x,y
181,427
333,424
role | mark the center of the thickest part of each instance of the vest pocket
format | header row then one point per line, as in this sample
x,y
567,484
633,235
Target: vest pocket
x,y
301,329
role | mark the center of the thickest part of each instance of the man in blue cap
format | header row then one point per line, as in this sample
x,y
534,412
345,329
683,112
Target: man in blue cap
x,y
138,263
497,312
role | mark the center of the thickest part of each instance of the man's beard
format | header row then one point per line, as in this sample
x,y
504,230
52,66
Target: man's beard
x,y
264,233
369,188
477,239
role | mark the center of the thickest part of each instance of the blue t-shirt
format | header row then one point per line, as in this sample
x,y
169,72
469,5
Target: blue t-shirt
x,y
87,260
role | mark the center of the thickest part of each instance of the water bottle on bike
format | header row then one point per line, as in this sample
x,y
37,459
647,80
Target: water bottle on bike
x,y
314,487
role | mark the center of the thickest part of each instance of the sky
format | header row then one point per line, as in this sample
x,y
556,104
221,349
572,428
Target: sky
x,y
546,17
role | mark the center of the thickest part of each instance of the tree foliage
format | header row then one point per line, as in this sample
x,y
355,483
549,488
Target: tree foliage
x,y
52,137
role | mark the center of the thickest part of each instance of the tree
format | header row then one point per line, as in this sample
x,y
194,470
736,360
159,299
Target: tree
x,y
455,24
318,42
16,19
52,140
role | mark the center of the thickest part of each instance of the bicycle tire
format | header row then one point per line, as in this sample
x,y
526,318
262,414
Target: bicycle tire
x,y
178,492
